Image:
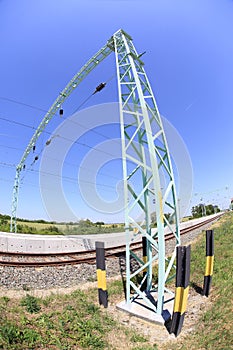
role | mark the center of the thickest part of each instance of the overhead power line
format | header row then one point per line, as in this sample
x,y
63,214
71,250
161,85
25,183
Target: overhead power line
x,y
65,178
65,138
10,165
23,104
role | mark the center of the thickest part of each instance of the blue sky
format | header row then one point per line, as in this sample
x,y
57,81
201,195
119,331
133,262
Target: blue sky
x,y
188,60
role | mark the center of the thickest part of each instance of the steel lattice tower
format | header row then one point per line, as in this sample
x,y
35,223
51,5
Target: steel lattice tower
x,y
144,145
149,185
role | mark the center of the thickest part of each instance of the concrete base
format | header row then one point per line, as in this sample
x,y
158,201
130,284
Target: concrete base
x,y
141,309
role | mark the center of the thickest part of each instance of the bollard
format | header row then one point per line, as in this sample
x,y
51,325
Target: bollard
x,y
101,274
182,288
209,262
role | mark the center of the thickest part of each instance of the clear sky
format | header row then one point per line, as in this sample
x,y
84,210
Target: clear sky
x,y
188,60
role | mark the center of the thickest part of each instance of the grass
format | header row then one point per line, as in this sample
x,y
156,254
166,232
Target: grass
x,y
31,227
214,329
72,321
31,303
75,321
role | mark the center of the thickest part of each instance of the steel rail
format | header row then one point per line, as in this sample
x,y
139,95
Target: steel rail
x,y
89,257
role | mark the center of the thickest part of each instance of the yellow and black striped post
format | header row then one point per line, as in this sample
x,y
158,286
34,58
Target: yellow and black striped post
x,y
182,288
101,274
209,262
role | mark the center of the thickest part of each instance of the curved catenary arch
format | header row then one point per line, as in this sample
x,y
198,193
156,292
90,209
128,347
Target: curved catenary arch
x,y
145,146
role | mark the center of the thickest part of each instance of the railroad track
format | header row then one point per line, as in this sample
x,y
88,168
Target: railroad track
x,y
47,259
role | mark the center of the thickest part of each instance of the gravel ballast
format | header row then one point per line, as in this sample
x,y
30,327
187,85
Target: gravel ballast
x,y
69,275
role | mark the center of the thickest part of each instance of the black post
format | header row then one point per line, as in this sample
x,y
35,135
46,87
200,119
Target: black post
x,y
209,262
101,274
182,288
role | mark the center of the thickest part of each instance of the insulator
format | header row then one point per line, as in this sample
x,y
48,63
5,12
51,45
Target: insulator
x,y
61,111
24,166
99,87
36,158
48,142
34,148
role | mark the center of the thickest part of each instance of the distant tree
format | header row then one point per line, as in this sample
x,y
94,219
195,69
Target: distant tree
x,y
3,221
99,223
6,217
168,216
85,223
201,210
153,217
212,209
4,224
40,221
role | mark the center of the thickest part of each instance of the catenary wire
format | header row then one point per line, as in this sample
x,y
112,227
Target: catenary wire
x,y
66,178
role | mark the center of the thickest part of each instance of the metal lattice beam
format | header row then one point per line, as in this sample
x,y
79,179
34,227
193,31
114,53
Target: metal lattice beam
x,y
70,87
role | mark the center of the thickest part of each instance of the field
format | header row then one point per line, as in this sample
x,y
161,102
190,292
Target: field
x,y
52,228
75,320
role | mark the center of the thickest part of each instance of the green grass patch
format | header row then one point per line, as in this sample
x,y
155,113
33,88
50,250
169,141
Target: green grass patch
x,y
31,303
42,228
214,329
115,289
76,321
73,321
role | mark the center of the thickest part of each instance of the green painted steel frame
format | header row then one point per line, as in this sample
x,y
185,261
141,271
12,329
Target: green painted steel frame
x,y
145,148
144,153
70,87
